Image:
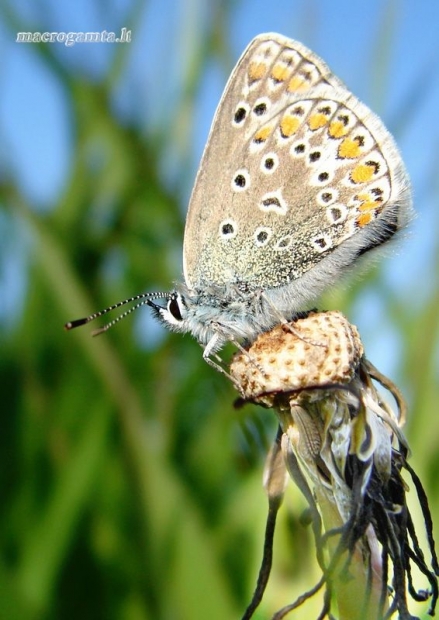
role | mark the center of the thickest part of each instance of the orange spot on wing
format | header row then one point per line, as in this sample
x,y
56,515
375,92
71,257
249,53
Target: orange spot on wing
x,y
370,205
362,173
349,149
297,84
337,129
364,219
256,70
316,121
262,134
280,73
289,125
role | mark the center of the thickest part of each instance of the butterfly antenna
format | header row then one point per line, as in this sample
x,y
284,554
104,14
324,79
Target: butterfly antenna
x,y
145,300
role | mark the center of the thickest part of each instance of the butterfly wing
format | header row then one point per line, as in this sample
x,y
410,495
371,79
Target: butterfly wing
x,y
294,167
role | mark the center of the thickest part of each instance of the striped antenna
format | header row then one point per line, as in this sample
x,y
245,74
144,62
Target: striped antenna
x,y
145,300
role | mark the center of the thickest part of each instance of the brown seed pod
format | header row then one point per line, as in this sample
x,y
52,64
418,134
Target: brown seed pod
x,y
321,349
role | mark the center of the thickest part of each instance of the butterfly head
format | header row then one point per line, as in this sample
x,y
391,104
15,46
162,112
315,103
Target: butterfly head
x,y
215,314
174,314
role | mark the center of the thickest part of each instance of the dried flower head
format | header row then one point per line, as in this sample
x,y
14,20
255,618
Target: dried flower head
x,y
342,443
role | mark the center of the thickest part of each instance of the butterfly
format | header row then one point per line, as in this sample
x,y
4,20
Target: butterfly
x,y
297,182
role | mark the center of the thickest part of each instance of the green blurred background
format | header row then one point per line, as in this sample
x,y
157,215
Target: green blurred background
x,y
130,487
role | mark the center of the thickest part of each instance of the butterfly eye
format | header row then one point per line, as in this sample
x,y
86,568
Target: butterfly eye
x,y
174,308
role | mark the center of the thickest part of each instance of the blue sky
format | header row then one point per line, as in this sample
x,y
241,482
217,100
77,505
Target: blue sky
x,y
387,53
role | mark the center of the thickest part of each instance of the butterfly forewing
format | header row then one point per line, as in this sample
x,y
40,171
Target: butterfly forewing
x,y
294,166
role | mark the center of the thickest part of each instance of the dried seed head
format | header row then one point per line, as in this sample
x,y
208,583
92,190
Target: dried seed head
x,y
321,349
